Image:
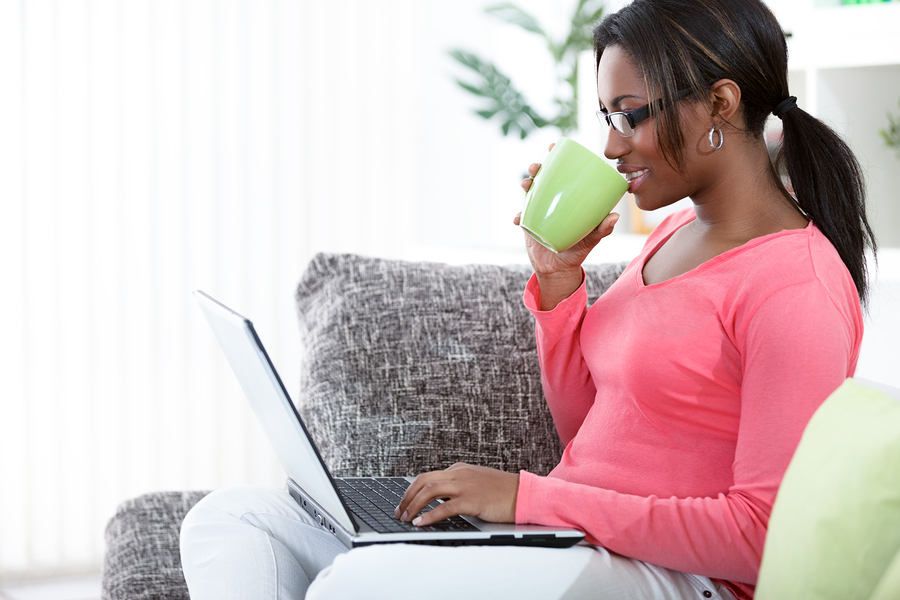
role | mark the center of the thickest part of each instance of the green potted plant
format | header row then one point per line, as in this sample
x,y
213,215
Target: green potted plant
x,y
508,105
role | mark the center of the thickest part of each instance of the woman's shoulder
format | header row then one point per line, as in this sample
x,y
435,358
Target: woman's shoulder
x,y
798,263
796,254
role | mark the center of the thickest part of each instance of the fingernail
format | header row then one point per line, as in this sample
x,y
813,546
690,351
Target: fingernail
x,y
397,513
405,516
417,521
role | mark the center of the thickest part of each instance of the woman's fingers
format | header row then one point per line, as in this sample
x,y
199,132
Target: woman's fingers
x,y
584,247
452,491
438,513
402,510
426,488
486,493
533,168
605,227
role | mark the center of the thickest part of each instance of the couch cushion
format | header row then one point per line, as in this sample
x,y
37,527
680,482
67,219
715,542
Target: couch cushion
x,y
888,587
408,367
835,526
142,557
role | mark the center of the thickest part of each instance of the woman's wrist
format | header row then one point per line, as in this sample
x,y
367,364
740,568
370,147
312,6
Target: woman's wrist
x,y
558,285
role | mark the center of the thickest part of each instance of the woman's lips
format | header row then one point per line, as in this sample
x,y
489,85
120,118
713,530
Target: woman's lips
x,y
635,178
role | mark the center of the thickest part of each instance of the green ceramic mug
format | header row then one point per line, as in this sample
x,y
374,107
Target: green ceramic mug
x,y
573,191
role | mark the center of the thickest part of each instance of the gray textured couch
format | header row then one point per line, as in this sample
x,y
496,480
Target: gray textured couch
x,y
406,367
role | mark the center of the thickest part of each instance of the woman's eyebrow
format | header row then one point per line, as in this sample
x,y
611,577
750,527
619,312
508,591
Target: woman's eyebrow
x,y
618,99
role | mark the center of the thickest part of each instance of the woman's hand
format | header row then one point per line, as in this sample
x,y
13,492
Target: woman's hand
x,y
559,275
485,493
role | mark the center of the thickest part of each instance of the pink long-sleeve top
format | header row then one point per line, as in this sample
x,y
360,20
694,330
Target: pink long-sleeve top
x,y
680,404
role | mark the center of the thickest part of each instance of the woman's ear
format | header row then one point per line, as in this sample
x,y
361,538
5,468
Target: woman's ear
x,y
725,97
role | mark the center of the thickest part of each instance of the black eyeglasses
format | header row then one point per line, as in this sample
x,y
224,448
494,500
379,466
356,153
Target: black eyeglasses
x,y
624,121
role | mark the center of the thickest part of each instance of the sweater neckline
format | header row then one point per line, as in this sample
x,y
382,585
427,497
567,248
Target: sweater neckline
x,y
712,262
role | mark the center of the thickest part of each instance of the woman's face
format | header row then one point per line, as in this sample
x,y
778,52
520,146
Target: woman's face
x,y
653,181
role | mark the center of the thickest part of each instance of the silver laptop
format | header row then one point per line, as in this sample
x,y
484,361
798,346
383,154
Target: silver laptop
x,y
359,511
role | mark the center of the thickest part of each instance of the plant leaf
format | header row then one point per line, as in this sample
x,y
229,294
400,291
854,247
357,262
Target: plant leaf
x,y
557,51
587,13
891,135
595,16
503,99
535,118
581,35
466,58
473,89
514,15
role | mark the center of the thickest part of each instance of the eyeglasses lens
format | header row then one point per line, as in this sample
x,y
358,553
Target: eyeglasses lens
x,y
618,121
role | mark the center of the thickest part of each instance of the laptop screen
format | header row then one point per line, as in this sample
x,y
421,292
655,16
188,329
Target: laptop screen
x,y
272,406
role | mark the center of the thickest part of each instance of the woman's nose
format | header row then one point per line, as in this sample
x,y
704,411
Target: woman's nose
x,y
616,146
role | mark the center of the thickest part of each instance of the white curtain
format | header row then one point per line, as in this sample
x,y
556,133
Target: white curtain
x,y
153,147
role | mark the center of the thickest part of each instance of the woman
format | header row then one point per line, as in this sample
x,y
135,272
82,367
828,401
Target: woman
x,y
681,394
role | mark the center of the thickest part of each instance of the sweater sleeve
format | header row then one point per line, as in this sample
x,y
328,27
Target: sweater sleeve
x,y
565,377
797,348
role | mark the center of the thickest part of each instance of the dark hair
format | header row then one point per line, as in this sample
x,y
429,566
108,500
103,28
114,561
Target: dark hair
x,y
691,44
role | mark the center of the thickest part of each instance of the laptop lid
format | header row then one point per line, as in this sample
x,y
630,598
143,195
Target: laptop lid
x,y
280,420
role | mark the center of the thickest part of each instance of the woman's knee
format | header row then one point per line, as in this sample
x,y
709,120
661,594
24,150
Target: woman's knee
x,y
220,506
227,525
204,521
225,513
357,574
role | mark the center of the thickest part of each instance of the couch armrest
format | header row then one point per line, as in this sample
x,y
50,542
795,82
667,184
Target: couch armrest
x,y
142,558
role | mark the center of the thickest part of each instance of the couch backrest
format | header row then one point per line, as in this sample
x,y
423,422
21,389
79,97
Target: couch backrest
x,y
408,367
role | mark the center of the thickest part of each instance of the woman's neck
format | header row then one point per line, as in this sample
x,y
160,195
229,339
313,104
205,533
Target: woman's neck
x,y
745,199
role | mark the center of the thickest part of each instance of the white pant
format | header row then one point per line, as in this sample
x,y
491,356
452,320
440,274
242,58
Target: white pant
x,y
254,543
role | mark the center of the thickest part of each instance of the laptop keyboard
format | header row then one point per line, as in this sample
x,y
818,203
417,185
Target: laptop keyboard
x,y
374,499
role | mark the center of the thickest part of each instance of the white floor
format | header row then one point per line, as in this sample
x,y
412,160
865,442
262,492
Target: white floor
x,y
75,588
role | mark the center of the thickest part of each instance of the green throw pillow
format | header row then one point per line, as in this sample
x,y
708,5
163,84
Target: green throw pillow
x,y
889,586
835,527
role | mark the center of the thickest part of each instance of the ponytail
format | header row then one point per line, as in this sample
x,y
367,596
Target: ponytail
x,y
829,187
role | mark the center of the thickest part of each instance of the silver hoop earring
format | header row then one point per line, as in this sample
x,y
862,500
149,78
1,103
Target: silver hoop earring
x,y
721,138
